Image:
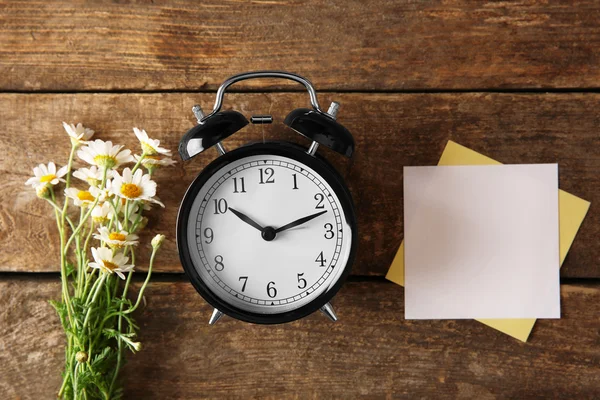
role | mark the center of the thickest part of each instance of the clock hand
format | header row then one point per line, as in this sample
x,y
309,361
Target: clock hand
x,y
299,222
246,219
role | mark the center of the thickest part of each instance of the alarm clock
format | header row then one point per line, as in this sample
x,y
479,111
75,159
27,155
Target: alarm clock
x,y
267,232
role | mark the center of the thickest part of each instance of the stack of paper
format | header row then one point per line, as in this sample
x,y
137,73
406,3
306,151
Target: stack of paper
x,y
483,241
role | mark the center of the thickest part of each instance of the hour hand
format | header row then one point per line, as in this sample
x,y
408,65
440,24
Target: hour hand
x,y
246,219
299,221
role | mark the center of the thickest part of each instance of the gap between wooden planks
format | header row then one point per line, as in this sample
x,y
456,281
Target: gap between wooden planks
x,y
340,45
391,131
371,351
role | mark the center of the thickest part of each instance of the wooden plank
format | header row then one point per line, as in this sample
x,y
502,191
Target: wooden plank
x,y
370,352
391,131
375,45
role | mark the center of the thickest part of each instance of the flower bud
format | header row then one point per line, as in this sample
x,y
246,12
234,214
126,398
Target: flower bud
x,y
43,191
81,356
136,345
158,240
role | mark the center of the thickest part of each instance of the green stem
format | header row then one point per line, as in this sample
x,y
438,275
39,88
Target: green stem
x,y
137,165
119,326
90,306
141,293
58,209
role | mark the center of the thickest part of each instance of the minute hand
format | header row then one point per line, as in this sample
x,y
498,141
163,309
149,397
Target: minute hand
x,y
299,222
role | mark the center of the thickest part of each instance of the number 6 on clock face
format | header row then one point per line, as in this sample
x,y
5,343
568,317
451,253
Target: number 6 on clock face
x,y
268,233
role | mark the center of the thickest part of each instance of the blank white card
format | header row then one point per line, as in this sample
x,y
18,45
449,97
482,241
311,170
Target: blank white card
x,y
481,242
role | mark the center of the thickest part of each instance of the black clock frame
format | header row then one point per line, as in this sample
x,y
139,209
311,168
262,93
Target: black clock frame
x,y
286,149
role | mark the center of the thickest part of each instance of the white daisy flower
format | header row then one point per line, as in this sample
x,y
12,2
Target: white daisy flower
x,y
150,146
101,214
136,186
92,175
81,198
104,154
116,239
105,261
46,175
151,162
78,134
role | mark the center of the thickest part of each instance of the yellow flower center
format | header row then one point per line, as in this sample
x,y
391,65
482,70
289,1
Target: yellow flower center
x,y
117,236
84,195
131,190
104,160
47,178
109,265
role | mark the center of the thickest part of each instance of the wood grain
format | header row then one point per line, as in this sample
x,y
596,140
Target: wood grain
x,y
391,131
371,352
351,45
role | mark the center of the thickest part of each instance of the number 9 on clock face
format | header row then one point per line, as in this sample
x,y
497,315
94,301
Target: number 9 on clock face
x,y
267,233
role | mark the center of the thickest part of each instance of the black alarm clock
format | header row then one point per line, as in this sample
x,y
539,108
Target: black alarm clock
x,y
267,232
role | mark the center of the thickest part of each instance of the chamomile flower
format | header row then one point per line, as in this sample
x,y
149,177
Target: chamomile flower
x,y
104,154
151,162
150,146
93,175
81,198
136,186
78,134
116,239
46,175
105,261
101,214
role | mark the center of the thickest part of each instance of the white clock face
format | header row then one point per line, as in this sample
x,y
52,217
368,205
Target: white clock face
x,y
267,234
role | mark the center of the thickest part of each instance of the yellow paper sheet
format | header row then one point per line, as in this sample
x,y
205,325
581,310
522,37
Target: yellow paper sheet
x,y
571,211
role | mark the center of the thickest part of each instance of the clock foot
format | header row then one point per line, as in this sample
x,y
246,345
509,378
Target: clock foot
x,y
216,315
328,311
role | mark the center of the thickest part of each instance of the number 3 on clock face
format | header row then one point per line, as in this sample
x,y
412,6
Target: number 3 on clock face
x,y
268,237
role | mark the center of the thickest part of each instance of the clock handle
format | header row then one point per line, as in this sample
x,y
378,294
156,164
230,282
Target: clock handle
x,y
262,74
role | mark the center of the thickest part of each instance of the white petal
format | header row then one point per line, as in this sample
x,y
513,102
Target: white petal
x,y
124,157
127,175
62,171
157,202
96,255
95,265
139,134
137,177
120,259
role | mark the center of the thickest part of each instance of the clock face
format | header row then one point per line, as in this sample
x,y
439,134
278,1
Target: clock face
x,y
267,234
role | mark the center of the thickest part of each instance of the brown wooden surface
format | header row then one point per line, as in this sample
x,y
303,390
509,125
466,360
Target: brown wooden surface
x,y
410,75
371,352
366,45
391,131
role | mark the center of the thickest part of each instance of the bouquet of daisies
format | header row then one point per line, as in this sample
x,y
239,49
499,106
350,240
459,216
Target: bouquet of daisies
x,y
98,224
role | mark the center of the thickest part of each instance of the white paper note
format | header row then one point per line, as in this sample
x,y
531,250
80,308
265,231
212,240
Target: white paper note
x,y
481,242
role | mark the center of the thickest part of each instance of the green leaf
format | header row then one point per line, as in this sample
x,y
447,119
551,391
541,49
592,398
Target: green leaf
x,y
70,269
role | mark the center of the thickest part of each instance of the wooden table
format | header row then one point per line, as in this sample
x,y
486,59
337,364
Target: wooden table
x,y
516,81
